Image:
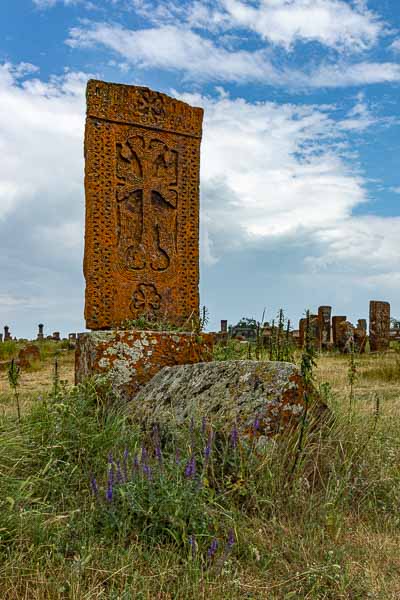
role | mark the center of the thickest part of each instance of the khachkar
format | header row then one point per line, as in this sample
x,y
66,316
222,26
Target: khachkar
x,y
142,152
379,326
324,325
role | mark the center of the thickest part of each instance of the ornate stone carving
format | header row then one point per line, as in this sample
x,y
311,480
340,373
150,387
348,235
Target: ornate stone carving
x,y
379,326
142,152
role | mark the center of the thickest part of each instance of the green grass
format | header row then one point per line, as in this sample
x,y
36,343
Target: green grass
x,y
330,530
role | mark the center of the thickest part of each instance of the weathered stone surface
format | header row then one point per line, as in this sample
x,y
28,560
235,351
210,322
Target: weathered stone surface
x,y
142,153
262,398
131,358
7,334
379,326
335,328
324,325
28,356
345,337
360,337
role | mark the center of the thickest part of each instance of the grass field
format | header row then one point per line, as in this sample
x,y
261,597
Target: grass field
x,y
244,526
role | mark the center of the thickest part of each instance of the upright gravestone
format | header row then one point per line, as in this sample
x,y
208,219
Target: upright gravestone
x,y
224,326
7,334
142,162
142,153
324,325
336,334
379,326
40,335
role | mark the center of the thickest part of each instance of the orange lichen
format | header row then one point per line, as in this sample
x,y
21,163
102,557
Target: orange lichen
x,y
132,358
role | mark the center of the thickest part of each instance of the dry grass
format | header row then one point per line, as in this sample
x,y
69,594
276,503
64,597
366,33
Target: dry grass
x,y
336,545
37,381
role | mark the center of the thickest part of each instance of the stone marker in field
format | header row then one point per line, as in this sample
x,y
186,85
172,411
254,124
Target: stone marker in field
x,y
142,152
40,335
335,328
379,326
142,161
7,334
224,326
324,325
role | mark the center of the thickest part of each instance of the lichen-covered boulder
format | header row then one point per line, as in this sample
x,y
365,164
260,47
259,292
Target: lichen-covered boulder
x,y
261,398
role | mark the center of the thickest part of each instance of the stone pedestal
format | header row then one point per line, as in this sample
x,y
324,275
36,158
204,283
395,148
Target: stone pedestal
x,y
131,358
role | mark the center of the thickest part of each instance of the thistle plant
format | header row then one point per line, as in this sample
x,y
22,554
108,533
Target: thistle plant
x,y
14,373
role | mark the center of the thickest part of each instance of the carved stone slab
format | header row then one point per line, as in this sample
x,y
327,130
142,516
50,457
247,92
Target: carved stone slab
x,y
142,161
379,326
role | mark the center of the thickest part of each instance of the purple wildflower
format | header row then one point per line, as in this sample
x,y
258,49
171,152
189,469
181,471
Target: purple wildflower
x,y
231,539
208,448
109,492
93,485
234,437
144,454
147,472
158,454
190,469
256,425
177,456
213,548
203,425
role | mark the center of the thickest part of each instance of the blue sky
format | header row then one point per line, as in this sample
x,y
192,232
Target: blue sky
x,y
300,179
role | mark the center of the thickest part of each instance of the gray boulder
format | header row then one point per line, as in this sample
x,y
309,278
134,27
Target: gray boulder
x,y
262,398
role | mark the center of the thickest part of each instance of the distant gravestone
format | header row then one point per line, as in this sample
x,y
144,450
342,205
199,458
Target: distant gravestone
x,y
142,152
379,326
7,334
335,328
324,325
40,335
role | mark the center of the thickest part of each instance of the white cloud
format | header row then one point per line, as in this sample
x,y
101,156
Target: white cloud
x,y
41,198
270,171
51,3
396,45
396,190
345,74
333,23
174,48
179,49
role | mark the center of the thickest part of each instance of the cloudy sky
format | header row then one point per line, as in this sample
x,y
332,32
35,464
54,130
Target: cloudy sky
x,y
300,184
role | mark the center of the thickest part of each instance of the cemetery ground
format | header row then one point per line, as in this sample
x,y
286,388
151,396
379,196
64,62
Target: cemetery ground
x,y
89,508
